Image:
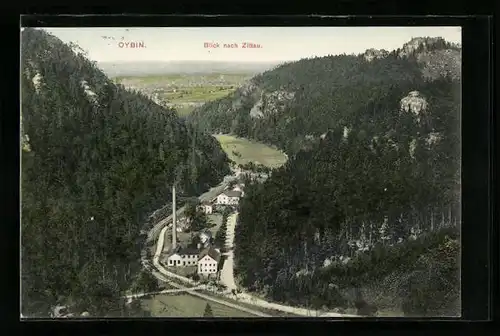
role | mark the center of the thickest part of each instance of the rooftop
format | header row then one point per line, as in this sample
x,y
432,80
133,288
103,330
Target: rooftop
x,y
232,193
211,252
184,251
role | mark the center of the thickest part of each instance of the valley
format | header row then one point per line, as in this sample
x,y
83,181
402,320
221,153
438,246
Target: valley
x,y
184,92
325,186
242,151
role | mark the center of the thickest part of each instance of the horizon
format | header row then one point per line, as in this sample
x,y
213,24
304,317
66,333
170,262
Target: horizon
x,y
188,61
277,44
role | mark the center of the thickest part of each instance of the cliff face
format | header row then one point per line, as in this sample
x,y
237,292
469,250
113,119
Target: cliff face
x,y
271,103
440,63
437,57
296,103
371,54
420,43
414,103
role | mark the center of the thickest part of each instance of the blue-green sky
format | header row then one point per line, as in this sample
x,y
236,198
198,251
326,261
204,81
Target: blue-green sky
x,y
278,43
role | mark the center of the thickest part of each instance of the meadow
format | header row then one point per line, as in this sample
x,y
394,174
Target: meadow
x,y
185,305
243,151
184,92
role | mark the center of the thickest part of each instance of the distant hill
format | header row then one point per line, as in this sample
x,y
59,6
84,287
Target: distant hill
x,y
114,69
96,160
297,102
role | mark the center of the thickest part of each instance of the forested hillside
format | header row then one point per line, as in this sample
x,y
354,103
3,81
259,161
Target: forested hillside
x,y
297,102
370,205
96,160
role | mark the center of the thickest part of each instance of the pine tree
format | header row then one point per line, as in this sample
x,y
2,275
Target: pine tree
x,y
208,311
101,168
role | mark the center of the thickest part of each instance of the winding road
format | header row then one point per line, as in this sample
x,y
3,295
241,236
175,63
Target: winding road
x,y
162,274
227,275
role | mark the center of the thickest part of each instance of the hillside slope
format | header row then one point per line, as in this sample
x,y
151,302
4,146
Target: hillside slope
x,y
371,190
96,160
296,103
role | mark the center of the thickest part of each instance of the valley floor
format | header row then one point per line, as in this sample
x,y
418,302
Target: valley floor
x,y
243,151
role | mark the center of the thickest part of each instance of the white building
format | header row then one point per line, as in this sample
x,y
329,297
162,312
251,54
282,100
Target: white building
x,y
228,197
183,257
208,261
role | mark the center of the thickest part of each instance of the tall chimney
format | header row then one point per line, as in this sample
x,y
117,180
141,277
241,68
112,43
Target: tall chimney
x,y
174,220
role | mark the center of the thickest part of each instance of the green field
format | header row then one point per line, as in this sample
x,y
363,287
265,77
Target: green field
x,y
183,91
250,151
236,78
185,305
197,94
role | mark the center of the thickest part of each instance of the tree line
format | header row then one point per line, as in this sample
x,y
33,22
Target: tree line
x,y
363,208
100,159
328,92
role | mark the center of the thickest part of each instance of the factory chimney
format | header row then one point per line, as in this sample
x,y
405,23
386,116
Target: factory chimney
x,y
174,220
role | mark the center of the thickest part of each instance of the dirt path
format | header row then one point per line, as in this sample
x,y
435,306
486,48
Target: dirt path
x,y
165,291
227,272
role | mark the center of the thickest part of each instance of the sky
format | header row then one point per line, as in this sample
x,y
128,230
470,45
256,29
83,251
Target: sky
x,y
277,43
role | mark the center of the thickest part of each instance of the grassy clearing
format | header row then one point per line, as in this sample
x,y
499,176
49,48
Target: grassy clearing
x,y
184,271
197,94
185,305
250,151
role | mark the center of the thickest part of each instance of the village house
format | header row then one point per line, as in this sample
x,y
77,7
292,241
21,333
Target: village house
x,y
208,261
183,257
206,208
228,197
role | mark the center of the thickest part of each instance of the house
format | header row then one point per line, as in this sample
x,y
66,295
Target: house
x,y
228,197
206,208
183,257
208,261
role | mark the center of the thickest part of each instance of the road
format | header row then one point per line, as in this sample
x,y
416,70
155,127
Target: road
x,y
207,196
227,272
227,278
209,298
161,273
165,291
